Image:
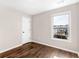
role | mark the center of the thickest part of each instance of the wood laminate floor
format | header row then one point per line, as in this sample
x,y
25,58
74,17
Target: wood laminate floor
x,y
35,50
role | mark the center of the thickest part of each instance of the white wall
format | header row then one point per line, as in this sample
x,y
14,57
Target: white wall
x,y
42,29
10,29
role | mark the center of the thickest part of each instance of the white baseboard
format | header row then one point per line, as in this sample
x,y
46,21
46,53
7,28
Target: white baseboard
x,y
56,47
10,48
43,44
13,47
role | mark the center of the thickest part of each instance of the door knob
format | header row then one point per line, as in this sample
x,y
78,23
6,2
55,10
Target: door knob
x,y
22,32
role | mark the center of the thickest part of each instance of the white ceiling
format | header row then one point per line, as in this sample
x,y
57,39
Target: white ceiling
x,y
32,7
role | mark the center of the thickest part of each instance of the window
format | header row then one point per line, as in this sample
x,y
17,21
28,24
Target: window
x,y
61,26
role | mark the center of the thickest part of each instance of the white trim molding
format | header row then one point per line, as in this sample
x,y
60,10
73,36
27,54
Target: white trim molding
x,y
56,47
68,13
10,48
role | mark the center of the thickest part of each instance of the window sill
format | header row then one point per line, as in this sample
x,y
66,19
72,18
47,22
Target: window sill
x,y
64,40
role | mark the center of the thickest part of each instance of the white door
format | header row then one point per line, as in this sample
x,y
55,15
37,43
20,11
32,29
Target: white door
x,y
26,29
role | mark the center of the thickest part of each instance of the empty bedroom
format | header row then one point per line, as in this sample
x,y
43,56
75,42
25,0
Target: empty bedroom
x,y
39,28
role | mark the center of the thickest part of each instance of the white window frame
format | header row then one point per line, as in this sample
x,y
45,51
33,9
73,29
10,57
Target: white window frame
x,y
69,31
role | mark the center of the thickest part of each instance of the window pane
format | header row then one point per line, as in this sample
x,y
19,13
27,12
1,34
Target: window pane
x,y
61,26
